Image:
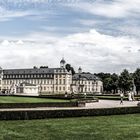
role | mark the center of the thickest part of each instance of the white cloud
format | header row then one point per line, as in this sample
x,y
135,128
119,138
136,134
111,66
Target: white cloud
x,y
19,9
9,14
94,51
112,9
19,42
5,43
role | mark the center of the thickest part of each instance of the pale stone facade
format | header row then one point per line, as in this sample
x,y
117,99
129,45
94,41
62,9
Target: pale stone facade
x,y
27,89
50,80
86,83
1,77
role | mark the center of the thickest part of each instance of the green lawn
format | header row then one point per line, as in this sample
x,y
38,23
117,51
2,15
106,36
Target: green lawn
x,y
121,127
12,99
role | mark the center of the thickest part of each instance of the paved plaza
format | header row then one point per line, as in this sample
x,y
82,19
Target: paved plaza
x,y
100,104
111,104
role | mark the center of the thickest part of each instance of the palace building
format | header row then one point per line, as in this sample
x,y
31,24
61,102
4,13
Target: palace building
x,y
48,80
86,82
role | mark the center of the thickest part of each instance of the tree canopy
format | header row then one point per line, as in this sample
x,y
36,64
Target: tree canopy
x,y
70,68
136,77
124,82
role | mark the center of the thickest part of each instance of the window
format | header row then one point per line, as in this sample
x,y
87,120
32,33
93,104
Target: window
x,y
60,88
60,81
63,81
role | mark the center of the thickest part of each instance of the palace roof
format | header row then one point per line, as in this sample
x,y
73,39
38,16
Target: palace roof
x,y
35,71
85,76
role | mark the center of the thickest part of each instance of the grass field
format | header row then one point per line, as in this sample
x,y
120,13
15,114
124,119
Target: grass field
x,y
121,127
14,99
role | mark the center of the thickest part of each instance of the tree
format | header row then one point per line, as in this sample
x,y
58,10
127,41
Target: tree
x,y
136,77
35,67
69,68
111,83
72,71
41,67
103,75
115,81
107,81
125,81
107,84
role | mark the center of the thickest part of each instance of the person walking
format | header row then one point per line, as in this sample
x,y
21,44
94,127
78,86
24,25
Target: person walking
x,y
121,96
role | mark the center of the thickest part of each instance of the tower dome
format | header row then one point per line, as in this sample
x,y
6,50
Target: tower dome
x,y
80,70
62,63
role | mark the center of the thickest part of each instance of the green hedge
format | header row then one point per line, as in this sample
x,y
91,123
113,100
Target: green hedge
x,y
62,113
34,105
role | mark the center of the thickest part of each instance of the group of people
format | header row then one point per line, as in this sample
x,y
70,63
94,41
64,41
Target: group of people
x,y
130,96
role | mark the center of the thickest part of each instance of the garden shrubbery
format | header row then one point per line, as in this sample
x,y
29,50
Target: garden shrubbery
x,y
63,113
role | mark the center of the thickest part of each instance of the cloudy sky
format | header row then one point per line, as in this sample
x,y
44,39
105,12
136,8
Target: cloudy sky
x,y
98,35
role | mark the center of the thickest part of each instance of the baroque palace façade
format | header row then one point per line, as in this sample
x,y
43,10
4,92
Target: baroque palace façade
x,y
51,80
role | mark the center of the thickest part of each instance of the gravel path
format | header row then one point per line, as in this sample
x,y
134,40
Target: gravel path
x,y
100,104
111,104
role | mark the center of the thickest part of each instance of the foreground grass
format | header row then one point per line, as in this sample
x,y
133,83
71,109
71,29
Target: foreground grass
x,y
123,127
14,99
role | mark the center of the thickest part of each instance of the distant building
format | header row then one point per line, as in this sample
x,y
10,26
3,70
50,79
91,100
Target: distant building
x,y
48,80
1,78
27,89
86,82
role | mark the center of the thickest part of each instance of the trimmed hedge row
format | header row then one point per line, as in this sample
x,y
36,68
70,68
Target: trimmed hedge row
x,y
34,105
80,103
43,114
